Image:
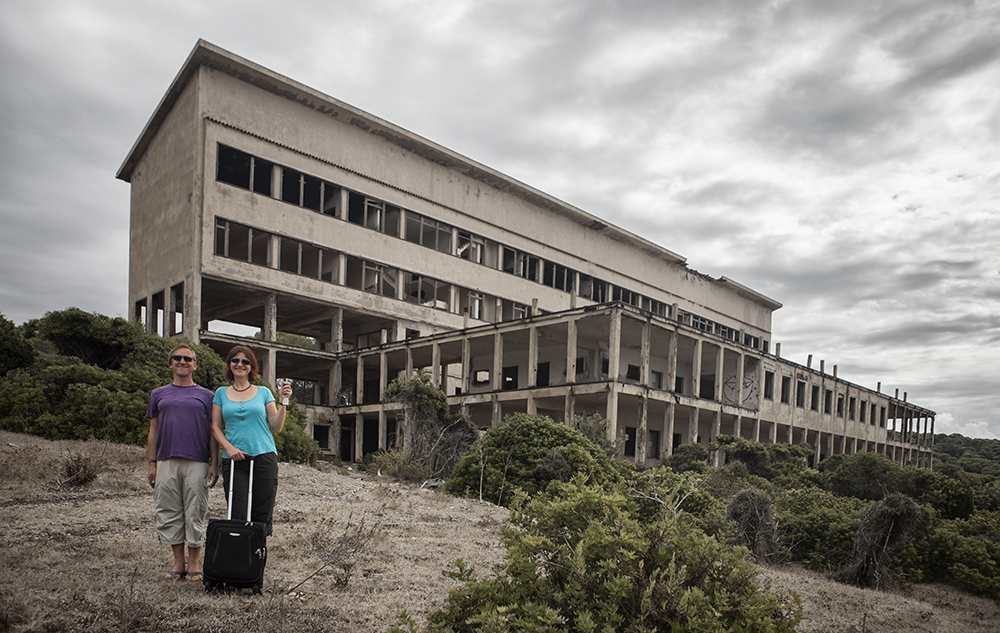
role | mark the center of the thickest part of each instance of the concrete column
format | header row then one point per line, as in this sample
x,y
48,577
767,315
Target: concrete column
x,y
359,388
497,361
740,361
644,354
671,378
693,426
696,369
667,439
269,330
615,345
641,432
342,270
569,408
359,436
756,427
738,426
532,356
571,335
716,424
337,330
436,364
719,373
497,412
612,415
466,379
334,383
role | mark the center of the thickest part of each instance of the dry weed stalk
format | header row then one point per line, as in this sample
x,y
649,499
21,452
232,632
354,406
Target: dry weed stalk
x,y
343,552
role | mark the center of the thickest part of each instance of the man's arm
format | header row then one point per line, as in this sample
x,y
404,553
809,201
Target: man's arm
x,y
154,431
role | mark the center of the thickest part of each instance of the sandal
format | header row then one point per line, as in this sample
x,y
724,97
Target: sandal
x,y
195,576
175,575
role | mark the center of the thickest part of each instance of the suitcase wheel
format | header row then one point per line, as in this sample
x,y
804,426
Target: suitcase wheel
x,y
257,589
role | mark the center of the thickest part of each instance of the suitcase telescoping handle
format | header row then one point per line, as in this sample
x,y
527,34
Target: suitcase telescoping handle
x,y
232,473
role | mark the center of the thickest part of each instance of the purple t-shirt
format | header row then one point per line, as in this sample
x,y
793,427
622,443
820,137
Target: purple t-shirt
x,y
185,415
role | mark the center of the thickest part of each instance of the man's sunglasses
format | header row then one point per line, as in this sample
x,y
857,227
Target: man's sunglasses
x,y
241,361
178,358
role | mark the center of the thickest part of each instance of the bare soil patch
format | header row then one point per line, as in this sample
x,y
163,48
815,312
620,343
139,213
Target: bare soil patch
x,y
87,559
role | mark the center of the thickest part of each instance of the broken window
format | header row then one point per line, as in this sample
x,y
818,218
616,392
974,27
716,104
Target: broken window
x,y
331,199
475,305
426,291
814,401
840,405
471,247
800,393
751,341
851,408
632,373
427,232
288,255
828,402
786,387
364,211
862,411
769,385
509,376
702,323
581,366
379,279
238,168
392,214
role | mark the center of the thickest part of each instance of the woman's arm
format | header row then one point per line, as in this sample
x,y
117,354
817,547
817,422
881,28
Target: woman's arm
x,y
220,437
154,430
276,413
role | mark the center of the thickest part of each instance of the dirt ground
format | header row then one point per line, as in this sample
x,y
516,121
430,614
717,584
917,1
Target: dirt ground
x,y
349,552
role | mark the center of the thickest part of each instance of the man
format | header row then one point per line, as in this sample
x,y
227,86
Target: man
x,y
183,462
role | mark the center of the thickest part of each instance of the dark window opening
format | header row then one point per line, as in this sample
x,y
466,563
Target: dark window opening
x,y
542,375
653,444
800,393
706,389
630,441
814,404
786,387
291,186
769,385
828,402
233,167
632,373
509,376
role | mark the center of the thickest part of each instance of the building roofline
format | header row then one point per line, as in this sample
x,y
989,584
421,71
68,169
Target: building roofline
x,y
211,56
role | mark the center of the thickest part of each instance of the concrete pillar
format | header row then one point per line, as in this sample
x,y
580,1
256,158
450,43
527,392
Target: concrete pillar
x,y
612,414
383,382
740,369
359,436
359,388
334,382
644,354
497,361
436,364
719,375
696,369
642,432
693,426
466,379
667,439
672,361
614,346
532,356
571,336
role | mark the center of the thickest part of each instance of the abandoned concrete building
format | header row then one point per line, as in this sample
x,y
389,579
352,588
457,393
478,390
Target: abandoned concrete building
x,y
347,251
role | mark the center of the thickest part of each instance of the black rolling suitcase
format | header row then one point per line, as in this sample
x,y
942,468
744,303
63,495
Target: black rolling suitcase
x,y
235,551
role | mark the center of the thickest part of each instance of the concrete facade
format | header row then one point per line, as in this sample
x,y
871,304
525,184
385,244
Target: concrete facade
x,y
348,251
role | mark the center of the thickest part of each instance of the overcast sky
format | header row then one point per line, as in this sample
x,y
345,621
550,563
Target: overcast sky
x,y
841,157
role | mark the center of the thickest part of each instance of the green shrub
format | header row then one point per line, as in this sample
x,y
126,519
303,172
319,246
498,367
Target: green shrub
x,y
581,560
688,457
751,511
400,464
524,454
817,527
863,475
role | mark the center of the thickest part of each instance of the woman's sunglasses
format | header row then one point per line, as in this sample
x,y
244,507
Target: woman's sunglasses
x,y
241,361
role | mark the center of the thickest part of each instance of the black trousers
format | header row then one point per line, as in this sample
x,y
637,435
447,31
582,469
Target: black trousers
x,y
265,487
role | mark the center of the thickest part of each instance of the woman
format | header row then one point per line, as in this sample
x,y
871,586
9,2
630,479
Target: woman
x,y
244,416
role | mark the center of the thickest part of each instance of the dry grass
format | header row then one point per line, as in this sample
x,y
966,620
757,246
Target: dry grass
x,y
348,554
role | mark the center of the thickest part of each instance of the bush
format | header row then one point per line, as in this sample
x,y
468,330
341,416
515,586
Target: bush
x,y
432,436
525,453
400,464
885,527
752,512
689,457
580,560
817,527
